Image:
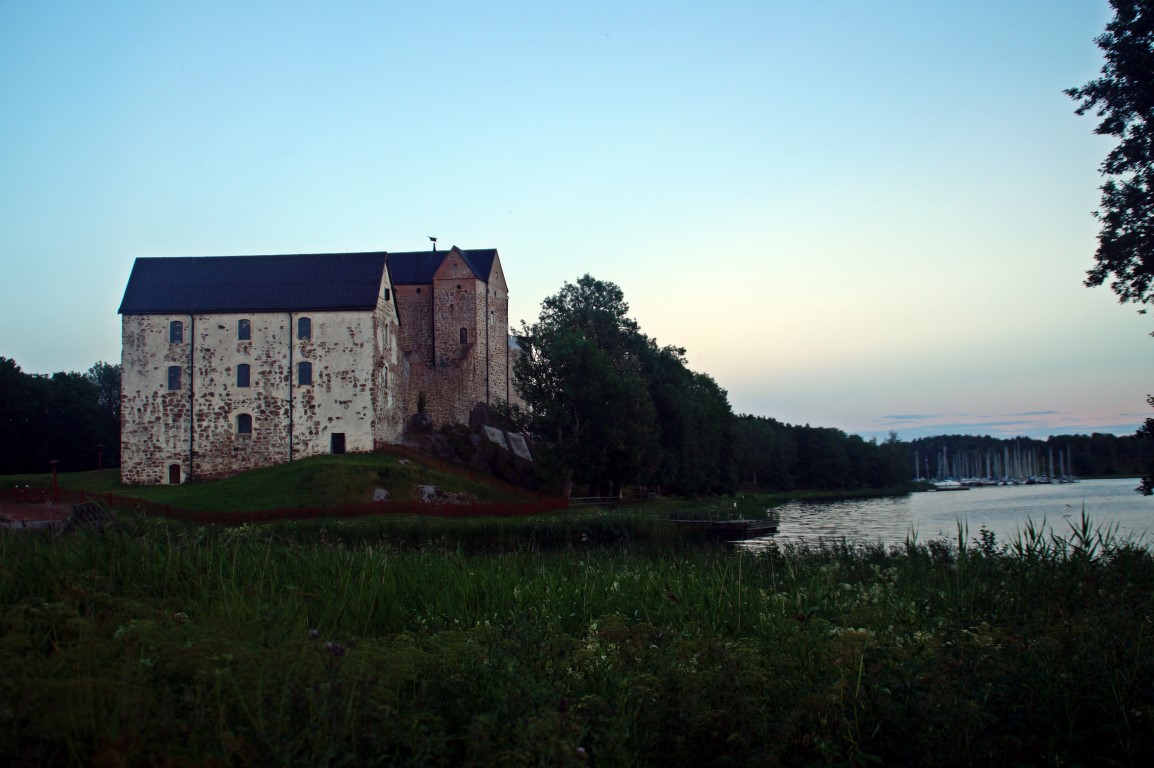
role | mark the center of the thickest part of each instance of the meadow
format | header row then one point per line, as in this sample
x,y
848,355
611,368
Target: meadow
x,y
593,637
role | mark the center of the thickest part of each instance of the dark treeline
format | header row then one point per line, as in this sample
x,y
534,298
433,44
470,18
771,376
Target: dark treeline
x,y
619,410
64,417
781,457
1081,455
615,408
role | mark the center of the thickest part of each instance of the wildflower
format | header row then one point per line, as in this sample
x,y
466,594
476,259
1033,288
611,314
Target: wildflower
x,y
581,753
314,634
334,648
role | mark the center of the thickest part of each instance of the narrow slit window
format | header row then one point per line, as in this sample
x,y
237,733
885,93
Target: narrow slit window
x,y
243,424
175,332
174,377
304,328
305,374
464,335
243,330
242,375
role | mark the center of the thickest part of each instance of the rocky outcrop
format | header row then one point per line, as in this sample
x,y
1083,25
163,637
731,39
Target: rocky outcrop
x,y
484,445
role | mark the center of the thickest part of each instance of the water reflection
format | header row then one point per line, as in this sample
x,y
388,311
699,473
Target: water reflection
x,y
1003,510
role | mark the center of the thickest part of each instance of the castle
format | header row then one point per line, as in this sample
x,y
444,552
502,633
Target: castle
x,y
235,362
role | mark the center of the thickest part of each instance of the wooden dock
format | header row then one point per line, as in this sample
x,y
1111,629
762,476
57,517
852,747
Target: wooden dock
x,y
736,529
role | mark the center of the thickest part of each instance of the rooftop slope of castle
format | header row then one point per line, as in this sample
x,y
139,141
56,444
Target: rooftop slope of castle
x,y
322,281
317,281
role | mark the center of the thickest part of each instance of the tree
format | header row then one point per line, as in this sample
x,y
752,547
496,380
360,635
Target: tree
x,y
1124,100
64,416
106,377
1123,97
695,424
18,404
1146,433
580,374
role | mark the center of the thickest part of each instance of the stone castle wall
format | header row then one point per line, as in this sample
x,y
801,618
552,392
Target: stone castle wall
x,y
415,306
455,342
353,393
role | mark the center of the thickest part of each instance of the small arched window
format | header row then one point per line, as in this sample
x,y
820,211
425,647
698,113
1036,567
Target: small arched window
x,y
243,424
464,335
305,374
242,375
174,377
175,332
304,328
243,330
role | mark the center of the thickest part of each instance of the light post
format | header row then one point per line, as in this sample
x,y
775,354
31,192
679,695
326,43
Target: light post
x,y
55,487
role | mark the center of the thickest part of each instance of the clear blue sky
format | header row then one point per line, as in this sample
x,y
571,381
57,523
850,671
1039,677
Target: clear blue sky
x,y
863,215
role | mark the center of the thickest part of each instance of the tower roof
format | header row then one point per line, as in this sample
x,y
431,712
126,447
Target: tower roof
x,y
418,267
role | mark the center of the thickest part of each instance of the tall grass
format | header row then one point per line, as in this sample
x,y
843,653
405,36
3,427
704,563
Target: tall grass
x,y
322,644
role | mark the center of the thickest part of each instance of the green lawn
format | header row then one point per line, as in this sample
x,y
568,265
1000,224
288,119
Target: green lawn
x,y
319,481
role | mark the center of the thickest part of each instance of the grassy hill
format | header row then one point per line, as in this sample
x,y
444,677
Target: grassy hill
x,y
319,481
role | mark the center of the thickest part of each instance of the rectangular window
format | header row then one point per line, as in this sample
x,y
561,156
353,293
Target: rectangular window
x,y
242,375
243,424
175,332
304,328
174,377
243,330
305,374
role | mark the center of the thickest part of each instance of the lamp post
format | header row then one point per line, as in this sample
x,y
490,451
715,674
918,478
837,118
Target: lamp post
x,y
55,487
99,456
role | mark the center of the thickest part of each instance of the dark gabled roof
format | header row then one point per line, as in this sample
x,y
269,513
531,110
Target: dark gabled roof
x,y
418,267
321,281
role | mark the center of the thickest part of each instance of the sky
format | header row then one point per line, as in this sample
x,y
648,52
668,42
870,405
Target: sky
x,y
865,215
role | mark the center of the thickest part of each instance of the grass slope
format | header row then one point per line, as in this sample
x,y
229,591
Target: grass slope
x,y
318,481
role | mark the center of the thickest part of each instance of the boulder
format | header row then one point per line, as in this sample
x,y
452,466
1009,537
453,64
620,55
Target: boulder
x,y
420,424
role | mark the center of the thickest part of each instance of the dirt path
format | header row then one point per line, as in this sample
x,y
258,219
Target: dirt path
x,y
13,513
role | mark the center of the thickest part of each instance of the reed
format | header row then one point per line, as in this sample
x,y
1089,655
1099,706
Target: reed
x,y
558,643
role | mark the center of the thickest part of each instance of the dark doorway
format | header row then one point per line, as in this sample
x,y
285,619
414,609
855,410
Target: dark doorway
x,y
338,442
174,474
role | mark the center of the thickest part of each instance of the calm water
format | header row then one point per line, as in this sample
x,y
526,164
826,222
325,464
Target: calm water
x,y
1003,510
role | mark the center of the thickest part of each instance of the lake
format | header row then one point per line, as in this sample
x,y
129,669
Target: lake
x,y
1001,509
